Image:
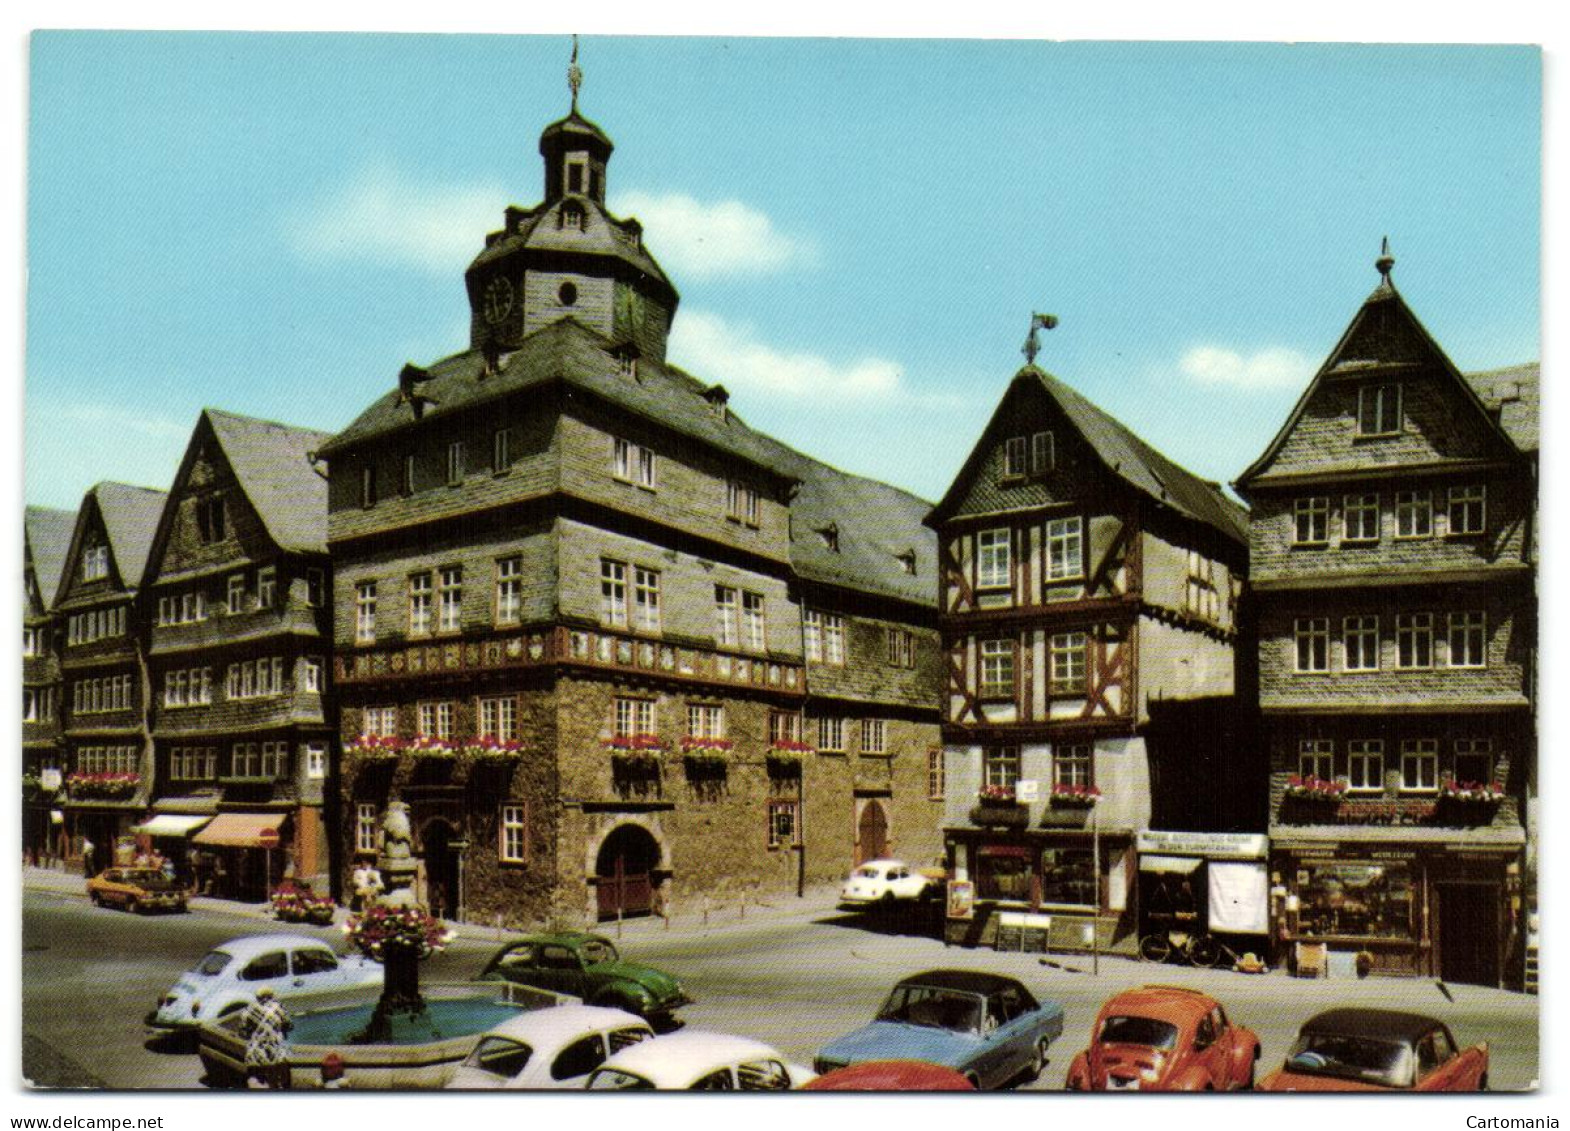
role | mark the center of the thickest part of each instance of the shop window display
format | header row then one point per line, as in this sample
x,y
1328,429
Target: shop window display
x,y
1002,873
1068,876
1373,899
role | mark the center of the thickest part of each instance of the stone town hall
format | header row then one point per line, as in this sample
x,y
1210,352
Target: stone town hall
x,y
614,647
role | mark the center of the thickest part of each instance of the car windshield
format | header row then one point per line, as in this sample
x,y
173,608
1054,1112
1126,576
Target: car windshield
x,y
615,1080
1389,1063
595,951
866,874
214,963
933,1008
1139,1031
500,1056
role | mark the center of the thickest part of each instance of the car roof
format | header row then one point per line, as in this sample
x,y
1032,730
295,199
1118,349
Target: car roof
x,y
674,1060
545,1028
249,946
1176,1004
883,862
966,981
1386,1023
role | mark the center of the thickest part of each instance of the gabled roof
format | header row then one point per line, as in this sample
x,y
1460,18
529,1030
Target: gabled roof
x,y
130,518
272,464
1123,453
1513,394
1384,336
569,352
48,532
540,229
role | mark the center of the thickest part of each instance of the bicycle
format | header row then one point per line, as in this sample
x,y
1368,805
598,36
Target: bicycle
x,y
1194,948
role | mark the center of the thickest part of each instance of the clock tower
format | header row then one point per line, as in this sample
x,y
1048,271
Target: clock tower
x,y
568,257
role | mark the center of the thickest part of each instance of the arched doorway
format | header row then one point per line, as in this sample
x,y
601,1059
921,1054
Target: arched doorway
x,y
441,857
872,832
624,872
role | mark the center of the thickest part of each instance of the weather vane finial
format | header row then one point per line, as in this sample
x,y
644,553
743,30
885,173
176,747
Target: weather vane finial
x,y
1385,261
574,75
1037,322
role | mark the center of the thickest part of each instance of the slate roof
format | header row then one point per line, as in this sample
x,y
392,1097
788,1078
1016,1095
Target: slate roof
x,y
271,463
540,229
48,532
130,516
1513,393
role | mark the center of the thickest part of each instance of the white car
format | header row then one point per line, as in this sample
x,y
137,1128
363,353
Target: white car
x,y
695,1061
883,882
227,979
550,1048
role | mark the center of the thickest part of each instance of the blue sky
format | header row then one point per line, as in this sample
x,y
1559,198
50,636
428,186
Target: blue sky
x,y
859,229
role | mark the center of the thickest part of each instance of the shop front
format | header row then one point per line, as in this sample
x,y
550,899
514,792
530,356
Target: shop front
x,y
240,855
1443,910
1193,884
168,835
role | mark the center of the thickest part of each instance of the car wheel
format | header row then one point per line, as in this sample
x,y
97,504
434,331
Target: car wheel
x,y
887,900
1155,948
975,1081
96,899
1038,1063
133,905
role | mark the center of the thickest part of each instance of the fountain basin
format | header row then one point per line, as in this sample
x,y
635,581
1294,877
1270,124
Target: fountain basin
x,y
424,1054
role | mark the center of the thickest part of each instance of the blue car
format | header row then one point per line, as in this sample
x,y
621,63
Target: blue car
x,y
985,1026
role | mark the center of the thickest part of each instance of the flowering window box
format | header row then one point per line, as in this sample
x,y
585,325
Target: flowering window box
x,y
996,795
1074,796
1471,792
789,750
488,748
706,749
1315,789
110,786
423,746
375,748
635,747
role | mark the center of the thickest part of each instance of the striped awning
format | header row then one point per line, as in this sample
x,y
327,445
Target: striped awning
x,y
170,824
242,830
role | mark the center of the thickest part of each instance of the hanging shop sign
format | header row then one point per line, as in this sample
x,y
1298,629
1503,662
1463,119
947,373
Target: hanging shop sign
x,y
1220,846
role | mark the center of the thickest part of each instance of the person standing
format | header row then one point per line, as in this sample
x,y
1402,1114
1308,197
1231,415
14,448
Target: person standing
x,y
87,858
267,1024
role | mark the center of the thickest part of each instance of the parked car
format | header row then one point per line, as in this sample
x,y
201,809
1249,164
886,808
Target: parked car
x,y
227,979
1370,1050
884,883
588,967
987,1027
1165,1039
549,1048
695,1061
136,889
891,1076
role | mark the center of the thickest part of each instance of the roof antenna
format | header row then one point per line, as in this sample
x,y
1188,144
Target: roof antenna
x,y
574,75
1032,346
1385,261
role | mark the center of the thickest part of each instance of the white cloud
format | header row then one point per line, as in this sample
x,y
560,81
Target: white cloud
x,y
1267,369
732,355
381,216
94,415
702,240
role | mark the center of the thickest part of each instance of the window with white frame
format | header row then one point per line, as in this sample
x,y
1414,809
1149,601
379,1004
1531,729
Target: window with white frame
x,y
455,466
1199,595
831,734
255,679
993,559
266,587
1467,512
935,774
1311,635
499,718
997,669
727,616
509,590
367,830
501,450
193,763
1014,455
274,759
1379,410
513,834
435,719
420,604
1468,640
95,562
1420,765
1000,767
30,697
1474,761
1316,758
705,720
1066,663
1071,764
191,687
380,721
1311,521
236,593
365,612
741,502
784,726
450,599
645,599
406,475
1065,548
634,717
1365,760
784,823
613,593
753,633
315,760
874,736
1360,518
1414,514
901,647
825,637
1043,454
1414,640
634,463
245,760
1360,644
31,641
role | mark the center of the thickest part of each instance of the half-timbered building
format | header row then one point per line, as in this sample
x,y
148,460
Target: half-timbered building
x,y
1394,549
1084,580
46,542
239,631
613,647
103,703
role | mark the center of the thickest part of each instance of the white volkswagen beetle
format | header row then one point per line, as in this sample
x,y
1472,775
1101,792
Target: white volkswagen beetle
x,y
695,1061
227,979
549,1048
883,882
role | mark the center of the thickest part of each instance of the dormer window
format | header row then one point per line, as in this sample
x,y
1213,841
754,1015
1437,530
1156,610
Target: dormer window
x,y
831,536
1379,410
719,400
1014,456
95,562
1043,453
626,356
907,561
572,217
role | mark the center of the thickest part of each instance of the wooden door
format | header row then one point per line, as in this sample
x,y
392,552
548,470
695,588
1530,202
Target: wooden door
x,y
872,832
624,881
1469,933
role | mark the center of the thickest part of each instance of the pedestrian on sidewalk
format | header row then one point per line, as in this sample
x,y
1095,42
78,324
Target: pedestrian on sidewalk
x,y
87,858
267,1024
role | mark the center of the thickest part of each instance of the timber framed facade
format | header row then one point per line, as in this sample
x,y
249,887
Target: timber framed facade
x,y
47,540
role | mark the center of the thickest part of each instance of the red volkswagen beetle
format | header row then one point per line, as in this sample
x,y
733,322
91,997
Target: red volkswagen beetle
x,y
1165,1039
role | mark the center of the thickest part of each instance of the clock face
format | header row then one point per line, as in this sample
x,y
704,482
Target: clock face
x,y
497,301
